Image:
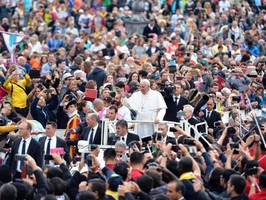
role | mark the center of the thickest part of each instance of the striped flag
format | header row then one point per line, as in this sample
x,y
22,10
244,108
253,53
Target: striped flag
x,y
12,40
193,59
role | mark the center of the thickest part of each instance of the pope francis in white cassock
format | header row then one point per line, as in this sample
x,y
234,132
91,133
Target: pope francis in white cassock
x,y
149,106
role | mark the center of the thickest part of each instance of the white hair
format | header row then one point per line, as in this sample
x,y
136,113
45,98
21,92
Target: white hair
x,y
190,107
226,91
80,71
146,81
121,144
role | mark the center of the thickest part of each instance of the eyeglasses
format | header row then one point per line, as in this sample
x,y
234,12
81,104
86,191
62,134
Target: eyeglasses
x,y
21,129
233,65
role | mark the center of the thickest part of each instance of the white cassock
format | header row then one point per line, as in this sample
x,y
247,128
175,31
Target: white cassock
x,y
148,107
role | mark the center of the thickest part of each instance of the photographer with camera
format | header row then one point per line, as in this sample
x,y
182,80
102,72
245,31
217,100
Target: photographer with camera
x,y
175,103
202,80
238,80
16,88
41,111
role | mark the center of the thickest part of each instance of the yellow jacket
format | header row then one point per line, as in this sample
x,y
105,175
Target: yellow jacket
x,y
17,91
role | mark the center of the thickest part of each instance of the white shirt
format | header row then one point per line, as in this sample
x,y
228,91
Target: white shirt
x,y
124,113
224,6
52,143
94,132
112,126
20,151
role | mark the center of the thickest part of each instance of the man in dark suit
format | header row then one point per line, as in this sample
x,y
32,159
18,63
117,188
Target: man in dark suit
x,y
163,128
151,29
211,116
92,133
122,132
52,141
175,103
41,111
22,146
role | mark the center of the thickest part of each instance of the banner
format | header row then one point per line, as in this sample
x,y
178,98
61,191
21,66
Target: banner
x,y
11,41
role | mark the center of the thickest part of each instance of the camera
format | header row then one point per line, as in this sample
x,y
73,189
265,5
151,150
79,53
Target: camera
x,y
180,114
40,86
166,89
48,157
236,98
113,138
172,129
175,148
188,141
70,97
234,145
217,124
89,160
48,91
231,131
159,136
20,157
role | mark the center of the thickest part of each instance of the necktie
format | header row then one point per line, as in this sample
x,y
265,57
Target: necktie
x,y
123,139
43,111
48,146
208,115
23,152
91,137
176,100
48,150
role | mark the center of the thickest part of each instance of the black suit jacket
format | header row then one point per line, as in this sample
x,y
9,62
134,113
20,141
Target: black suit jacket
x,y
132,137
59,143
97,137
214,117
173,108
34,150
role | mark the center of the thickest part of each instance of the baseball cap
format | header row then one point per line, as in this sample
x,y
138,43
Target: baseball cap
x,y
155,76
67,75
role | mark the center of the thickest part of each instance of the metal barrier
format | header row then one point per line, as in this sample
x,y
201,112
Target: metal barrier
x,y
184,124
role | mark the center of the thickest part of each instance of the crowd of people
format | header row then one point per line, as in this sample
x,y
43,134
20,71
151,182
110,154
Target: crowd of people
x,y
181,103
